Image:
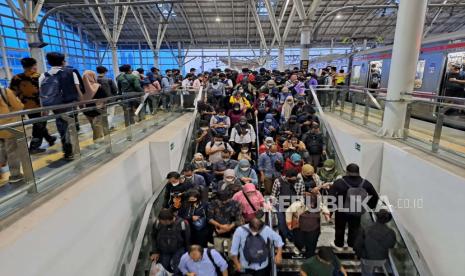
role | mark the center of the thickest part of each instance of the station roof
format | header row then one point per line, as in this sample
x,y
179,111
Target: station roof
x,y
211,23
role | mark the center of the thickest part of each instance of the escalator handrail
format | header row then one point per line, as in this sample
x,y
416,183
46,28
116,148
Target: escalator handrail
x,y
148,208
328,127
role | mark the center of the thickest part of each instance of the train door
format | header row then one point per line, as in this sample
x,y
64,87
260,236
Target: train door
x,y
452,58
375,72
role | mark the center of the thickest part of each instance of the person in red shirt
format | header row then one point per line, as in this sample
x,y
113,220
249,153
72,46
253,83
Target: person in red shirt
x,y
293,162
267,144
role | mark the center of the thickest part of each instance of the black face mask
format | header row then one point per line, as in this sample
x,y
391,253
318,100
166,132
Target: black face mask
x,y
291,181
292,122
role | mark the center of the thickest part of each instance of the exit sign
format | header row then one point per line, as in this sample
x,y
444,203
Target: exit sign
x,y
357,146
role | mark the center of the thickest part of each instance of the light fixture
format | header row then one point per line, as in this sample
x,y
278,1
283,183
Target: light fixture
x,y
338,16
217,19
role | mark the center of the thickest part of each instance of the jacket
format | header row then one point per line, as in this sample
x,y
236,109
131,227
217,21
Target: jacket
x,y
13,104
339,188
374,242
26,86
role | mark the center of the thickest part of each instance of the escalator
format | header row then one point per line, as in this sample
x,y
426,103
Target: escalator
x,y
135,261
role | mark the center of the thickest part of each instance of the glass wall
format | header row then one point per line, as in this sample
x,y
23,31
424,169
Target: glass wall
x,y
62,37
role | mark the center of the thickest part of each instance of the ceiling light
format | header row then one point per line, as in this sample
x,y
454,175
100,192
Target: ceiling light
x,y
218,19
338,16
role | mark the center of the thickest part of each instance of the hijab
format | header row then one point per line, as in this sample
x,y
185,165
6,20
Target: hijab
x,y
91,86
287,108
242,164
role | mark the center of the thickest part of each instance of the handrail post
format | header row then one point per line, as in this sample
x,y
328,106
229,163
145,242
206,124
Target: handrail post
x,y
24,157
106,128
366,112
354,105
72,131
332,102
408,115
438,130
343,100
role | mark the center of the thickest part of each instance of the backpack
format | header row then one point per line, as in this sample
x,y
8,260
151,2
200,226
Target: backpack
x,y
169,239
217,267
217,92
354,196
105,85
219,119
375,78
5,99
53,88
256,249
309,221
124,84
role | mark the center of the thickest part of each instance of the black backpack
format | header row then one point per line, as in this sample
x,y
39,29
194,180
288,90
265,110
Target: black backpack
x,y
256,249
124,84
354,197
170,238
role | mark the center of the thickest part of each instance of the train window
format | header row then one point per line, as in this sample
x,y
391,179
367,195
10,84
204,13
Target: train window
x,y
356,74
374,76
419,74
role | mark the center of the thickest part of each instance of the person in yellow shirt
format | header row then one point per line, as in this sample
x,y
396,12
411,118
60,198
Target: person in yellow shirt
x,y
341,77
237,97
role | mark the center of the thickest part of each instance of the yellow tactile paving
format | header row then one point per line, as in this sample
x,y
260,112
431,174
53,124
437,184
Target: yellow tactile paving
x,y
54,153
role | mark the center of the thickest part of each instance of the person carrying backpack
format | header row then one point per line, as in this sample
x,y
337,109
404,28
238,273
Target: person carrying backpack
x,y
128,83
203,261
170,239
251,248
325,263
60,85
350,188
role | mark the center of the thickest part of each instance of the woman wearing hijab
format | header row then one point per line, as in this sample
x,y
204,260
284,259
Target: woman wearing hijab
x,y
245,173
270,126
250,199
202,167
235,114
92,91
286,111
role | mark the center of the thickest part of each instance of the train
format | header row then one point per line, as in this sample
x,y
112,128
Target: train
x,y
436,55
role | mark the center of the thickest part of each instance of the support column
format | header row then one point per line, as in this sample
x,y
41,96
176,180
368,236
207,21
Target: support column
x,y
156,58
6,64
365,44
305,40
180,56
406,49
114,60
33,39
281,58
229,53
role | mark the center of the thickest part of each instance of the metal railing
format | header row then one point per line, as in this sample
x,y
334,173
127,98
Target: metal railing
x,y
425,122
93,131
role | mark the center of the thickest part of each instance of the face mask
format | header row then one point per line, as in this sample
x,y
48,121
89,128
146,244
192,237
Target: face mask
x,y
269,121
204,128
244,169
175,184
291,122
328,169
215,82
221,116
198,161
262,99
244,151
243,123
226,159
188,177
229,180
218,143
237,109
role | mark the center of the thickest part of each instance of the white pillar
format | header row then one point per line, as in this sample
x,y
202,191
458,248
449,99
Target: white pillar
x,y
180,56
6,64
365,44
114,59
36,53
156,61
229,53
406,49
281,58
305,40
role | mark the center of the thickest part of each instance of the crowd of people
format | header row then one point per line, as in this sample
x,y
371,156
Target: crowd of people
x,y
259,142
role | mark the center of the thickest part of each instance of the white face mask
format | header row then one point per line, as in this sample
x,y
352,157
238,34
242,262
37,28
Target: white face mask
x,y
230,180
244,151
175,184
198,161
328,169
244,169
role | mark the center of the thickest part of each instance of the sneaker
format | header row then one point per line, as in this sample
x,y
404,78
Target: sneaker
x,y
69,157
16,179
337,248
51,141
36,151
